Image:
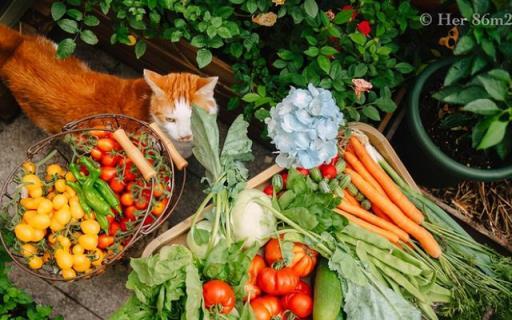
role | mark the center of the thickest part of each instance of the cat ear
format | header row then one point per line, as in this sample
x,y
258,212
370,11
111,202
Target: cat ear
x,y
207,86
151,78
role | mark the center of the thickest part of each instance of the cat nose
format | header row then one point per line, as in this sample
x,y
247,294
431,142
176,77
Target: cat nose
x,y
186,138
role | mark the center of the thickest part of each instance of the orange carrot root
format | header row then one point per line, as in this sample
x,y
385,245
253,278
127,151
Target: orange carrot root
x,y
361,170
370,227
350,198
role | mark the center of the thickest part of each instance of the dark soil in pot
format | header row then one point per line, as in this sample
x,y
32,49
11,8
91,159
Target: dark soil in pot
x,y
455,141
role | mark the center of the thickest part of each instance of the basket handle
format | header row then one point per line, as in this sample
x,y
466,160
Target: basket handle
x,y
134,154
178,160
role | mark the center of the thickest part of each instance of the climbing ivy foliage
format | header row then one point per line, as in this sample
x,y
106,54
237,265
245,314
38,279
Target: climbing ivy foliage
x,y
271,44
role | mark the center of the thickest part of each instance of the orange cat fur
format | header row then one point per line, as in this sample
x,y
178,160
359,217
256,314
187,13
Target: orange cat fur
x,y
53,92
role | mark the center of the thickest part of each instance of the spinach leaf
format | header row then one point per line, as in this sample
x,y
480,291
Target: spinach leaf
x,y
206,142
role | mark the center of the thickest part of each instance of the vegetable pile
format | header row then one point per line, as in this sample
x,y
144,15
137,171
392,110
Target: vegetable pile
x,y
347,239
69,220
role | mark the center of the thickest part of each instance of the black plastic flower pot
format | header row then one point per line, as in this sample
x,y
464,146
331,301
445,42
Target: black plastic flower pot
x,y
433,166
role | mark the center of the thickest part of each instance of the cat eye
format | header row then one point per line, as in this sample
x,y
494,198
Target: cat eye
x,y
171,120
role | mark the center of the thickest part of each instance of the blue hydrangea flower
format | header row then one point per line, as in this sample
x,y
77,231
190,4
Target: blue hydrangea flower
x,y
304,127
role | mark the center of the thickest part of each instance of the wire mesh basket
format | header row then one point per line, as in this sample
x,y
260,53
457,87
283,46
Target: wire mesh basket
x,y
63,149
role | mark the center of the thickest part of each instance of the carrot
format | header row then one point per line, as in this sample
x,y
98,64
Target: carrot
x,y
378,212
350,198
386,183
361,170
368,226
373,219
426,240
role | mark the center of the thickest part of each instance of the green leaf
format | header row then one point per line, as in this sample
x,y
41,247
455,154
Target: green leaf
x,y
458,95
311,8
464,45
68,25
206,142
465,8
250,97
66,48
75,2
312,51
489,48
262,114
499,74
504,148
58,10
237,146
494,134
75,14
328,50
279,64
204,57
88,37
285,54
371,112
140,48
478,64
458,70
312,41
343,16
224,32
358,38
482,106
360,70
198,41
495,88
324,63
91,21
385,104
481,6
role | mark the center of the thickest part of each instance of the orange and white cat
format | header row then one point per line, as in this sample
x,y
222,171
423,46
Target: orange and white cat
x,y
53,92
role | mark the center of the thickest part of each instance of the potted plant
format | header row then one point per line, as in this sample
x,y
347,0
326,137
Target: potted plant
x,y
460,109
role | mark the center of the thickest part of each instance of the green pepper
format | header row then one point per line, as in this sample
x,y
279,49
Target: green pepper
x,y
81,196
94,199
76,173
90,165
107,194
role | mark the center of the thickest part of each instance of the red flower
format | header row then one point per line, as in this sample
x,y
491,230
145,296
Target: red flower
x,y
349,7
364,27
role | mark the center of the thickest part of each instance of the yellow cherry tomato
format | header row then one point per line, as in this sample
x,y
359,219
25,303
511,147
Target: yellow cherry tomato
x,y
68,274
99,256
90,227
46,257
30,180
63,216
24,232
81,263
76,210
54,170
28,250
59,201
35,262
35,192
55,225
63,241
29,215
45,206
29,167
77,249
59,252
51,195
88,241
64,260
69,177
60,185
38,235
39,221
30,203
70,193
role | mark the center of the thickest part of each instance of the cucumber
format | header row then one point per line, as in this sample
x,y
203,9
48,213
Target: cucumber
x,y
328,297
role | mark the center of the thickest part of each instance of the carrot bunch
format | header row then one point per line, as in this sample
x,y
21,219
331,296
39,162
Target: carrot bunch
x,y
394,216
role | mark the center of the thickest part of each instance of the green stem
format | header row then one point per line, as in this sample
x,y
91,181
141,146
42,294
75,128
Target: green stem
x,y
215,229
46,158
200,210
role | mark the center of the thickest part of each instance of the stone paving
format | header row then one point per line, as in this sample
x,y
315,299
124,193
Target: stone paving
x,y
99,297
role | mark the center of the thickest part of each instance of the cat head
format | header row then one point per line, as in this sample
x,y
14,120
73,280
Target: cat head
x,y
174,95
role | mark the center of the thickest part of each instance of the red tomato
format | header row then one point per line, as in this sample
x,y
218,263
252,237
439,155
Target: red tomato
x,y
269,190
299,304
303,287
277,282
335,159
124,224
218,296
129,169
304,258
109,160
127,199
303,171
105,241
130,213
117,185
158,208
284,175
114,228
141,203
267,308
251,290
149,220
110,219
158,190
107,173
328,171
96,154
105,144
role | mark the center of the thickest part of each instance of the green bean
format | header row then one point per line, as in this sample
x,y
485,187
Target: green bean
x,y
387,258
285,199
426,307
366,236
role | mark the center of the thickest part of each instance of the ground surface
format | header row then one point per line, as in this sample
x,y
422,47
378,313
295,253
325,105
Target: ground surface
x,y
101,296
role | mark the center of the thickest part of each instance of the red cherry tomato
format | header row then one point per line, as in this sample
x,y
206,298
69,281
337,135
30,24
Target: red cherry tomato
x,y
107,173
105,241
159,207
105,144
269,190
96,154
219,296
100,133
124,223
110,219
117,185
328,171
130,213
127,199
114,228
149,220
158,190
109,160
267,308
303,171
277,282
299,304
141,203
284,175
